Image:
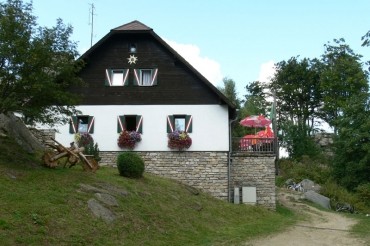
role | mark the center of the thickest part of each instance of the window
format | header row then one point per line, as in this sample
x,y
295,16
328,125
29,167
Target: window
x,y
130,123
116,77
180,123
132,48
145,77
81,123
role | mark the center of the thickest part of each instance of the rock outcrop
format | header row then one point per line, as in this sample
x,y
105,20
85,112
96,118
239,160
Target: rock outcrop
x,y
13,127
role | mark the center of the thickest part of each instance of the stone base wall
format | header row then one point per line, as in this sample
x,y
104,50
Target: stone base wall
x,y
44,135
206,171
255,171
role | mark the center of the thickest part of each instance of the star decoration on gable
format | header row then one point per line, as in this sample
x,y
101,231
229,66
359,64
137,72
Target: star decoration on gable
x,y
132,59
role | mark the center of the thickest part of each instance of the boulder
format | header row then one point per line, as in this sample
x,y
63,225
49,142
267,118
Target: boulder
x,y
100,211
107,199
310,185
317,198
13,127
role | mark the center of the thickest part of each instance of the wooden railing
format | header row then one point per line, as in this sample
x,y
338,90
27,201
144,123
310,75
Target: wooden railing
x,y
254,145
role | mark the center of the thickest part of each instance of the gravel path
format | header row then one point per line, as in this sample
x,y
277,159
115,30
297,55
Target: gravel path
x,y
319,229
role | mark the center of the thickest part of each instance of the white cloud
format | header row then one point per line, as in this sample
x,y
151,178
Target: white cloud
x,y
267,71
209,68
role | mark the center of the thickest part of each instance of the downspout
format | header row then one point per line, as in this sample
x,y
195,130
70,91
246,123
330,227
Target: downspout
x,y
229,159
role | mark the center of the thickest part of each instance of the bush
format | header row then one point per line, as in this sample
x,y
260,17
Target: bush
x,y
93,149
363,193
86,141
307,168
130,165
337,193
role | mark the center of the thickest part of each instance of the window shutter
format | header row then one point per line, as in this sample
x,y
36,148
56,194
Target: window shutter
x,y
121,123
73,124
108,76
90,126
125,77
139,123
154,76
170,123
188,123
137,77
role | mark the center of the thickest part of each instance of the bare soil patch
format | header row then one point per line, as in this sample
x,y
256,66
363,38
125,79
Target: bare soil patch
x,y
319,227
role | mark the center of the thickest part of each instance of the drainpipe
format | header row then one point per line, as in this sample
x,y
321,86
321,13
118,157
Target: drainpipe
x,y
229,159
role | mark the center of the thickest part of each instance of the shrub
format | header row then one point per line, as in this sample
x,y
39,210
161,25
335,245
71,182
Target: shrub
x,y
337,193
130,165
363,193
86,141
305,169
93,149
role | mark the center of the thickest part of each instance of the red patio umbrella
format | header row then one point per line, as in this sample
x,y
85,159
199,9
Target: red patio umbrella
x,y
267,133
255,121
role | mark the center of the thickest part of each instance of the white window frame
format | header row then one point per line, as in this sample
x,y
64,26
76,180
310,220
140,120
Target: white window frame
x,y
116,77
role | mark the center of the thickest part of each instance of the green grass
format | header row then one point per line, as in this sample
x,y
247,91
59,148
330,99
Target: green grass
x,y
40,206
362,228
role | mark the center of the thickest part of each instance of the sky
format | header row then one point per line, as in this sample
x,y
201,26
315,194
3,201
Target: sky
x,y
237,39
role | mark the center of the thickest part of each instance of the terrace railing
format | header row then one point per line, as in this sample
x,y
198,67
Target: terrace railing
x,y
254,145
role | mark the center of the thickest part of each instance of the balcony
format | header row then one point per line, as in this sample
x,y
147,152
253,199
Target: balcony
x,y
254,145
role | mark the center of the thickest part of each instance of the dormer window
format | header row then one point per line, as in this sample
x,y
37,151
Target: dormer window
x,y
132,48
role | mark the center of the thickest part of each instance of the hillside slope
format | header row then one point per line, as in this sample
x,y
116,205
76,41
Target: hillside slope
x,y
40,206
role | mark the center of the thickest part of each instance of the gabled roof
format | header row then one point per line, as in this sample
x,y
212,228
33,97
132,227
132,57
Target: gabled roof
x,y
138,27
134,25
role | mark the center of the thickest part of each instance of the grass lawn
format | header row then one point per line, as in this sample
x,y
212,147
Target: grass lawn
x,y
40,206
44,207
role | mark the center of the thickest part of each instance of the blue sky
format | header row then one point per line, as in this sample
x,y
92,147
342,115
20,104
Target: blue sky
x,y
238,39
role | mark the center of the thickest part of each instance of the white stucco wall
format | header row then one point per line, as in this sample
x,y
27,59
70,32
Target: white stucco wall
x,y
210,126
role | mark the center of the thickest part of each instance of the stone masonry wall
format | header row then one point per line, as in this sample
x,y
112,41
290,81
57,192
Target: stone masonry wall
x,y
255,171
206,171
44,135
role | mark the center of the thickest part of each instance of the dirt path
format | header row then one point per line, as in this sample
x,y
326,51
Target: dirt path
x,y
319,229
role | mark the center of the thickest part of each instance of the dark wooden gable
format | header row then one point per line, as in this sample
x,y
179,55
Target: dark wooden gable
x,y
178,82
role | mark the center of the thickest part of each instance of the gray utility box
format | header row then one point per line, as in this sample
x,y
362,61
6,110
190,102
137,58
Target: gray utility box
x,y
249,195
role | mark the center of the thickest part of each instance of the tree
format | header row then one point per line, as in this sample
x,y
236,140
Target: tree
x,y
229,91
297,89
254,104
255,99
37,66
341,80
351,166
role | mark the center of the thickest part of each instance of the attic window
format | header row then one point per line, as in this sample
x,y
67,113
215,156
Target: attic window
x,y
116,77
145,77
132,48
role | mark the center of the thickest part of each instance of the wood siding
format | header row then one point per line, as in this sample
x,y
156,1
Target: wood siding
x,y
177,84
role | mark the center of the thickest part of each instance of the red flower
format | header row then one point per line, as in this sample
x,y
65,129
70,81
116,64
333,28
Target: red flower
x,y
128,139
179,140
